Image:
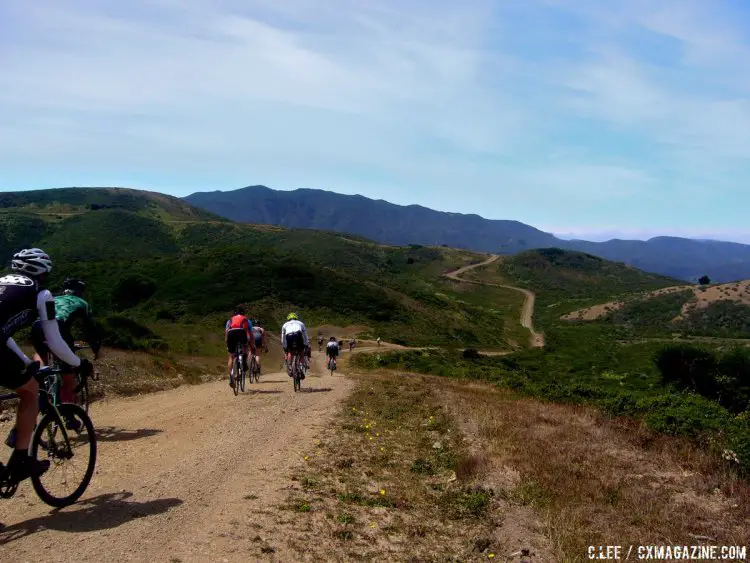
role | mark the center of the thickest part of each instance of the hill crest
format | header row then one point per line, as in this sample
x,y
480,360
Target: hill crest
x,y
388,223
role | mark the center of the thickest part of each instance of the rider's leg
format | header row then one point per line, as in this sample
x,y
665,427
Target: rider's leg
x,y
21,465
67,390
28,409
245,351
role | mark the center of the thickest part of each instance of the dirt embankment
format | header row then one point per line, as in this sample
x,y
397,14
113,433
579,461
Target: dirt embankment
x,y
702,297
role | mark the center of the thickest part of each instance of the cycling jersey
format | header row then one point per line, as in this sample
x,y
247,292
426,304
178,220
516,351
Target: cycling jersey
x,y
240,322
258,334
22,301
68,310
332,349
291,328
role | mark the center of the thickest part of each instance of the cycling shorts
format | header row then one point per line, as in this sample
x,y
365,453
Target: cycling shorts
x,y
258,340
236,336
295,342
332,352
40,342
13,372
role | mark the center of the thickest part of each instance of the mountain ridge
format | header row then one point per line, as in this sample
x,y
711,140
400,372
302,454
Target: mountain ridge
x,y
390,223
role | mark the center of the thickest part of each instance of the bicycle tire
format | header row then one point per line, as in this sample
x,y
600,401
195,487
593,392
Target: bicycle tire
x,y
236,386
295,373
83,397
67,411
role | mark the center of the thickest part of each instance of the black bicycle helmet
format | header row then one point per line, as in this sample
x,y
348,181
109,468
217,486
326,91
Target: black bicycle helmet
x,y
74,285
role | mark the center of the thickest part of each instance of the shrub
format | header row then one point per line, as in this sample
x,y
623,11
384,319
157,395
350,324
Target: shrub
x,y
131,290
125,333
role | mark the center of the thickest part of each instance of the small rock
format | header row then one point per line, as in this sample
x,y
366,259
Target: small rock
x,y
437,446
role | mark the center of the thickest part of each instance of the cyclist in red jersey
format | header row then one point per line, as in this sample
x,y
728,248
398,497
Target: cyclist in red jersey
x,y
238,330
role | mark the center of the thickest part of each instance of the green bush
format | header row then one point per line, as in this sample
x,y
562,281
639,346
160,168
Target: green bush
x,y
131,290
125,333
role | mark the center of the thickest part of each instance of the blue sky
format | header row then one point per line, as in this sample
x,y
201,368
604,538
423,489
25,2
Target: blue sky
x,y
592,117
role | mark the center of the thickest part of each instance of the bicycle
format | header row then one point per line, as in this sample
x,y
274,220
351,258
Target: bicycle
x,y
238,371
332,364
53,436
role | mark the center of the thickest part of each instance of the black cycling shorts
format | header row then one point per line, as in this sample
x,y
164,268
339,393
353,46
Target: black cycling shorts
x,y
12,369
234,337
295,342
40,342
332,352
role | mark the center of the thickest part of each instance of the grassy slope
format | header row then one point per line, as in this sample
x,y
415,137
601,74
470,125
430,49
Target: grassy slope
x,y
588,362
201,267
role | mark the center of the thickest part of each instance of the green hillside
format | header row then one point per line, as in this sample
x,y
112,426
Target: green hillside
x,y
626,363
59,203
170,268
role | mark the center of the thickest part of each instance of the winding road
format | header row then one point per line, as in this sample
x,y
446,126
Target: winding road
x,y
527,311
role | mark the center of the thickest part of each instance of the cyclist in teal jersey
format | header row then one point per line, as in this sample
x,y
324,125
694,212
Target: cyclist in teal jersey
x,y
70,308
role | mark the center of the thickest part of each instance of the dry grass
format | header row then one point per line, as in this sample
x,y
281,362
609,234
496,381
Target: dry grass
x,y
394,480
597,481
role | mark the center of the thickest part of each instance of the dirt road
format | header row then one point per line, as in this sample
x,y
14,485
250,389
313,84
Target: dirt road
x,y
193,474
527,311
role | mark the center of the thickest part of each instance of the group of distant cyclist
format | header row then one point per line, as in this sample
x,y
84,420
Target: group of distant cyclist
x,y
246,334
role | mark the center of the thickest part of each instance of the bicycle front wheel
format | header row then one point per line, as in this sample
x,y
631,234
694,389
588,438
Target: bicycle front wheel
x,y
68,441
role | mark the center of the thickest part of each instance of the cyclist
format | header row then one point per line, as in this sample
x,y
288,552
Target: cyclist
x,y
23,299
294,340
259,336
320,342
332,350
69,308
351,344
238,330
378,342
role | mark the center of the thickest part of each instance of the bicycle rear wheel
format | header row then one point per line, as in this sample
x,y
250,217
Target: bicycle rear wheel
x,y
256,372
296,368
236,373
69,443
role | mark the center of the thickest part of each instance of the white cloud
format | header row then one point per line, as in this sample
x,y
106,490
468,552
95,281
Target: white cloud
x,y
490,107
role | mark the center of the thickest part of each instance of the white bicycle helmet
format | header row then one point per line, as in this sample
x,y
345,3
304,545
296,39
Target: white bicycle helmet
x,y
32,262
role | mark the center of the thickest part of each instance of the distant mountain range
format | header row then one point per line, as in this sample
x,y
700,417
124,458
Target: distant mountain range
x,y
389,223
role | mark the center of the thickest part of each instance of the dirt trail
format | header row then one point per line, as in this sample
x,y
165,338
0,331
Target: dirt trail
x,y
527,311
192,474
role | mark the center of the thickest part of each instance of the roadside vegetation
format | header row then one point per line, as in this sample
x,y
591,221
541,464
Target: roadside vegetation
x,y
431,468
